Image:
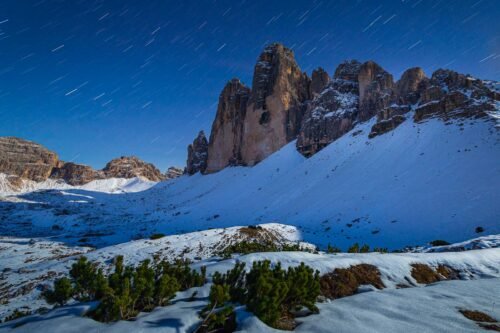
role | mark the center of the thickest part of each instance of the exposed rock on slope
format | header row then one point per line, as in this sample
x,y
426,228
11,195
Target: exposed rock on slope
x,y
408,88
130,167
274,112
375,90
319,80
332,113
197,155
26,159
76,174
450,94
173,172
227,129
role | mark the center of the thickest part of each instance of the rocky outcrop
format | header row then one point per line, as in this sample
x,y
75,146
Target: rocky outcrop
x,y
26,159
130,167
332,113
375,90
409,87
449,94
22,159
319,80
224,147
274,112
348,70
197,155
173,172
76,174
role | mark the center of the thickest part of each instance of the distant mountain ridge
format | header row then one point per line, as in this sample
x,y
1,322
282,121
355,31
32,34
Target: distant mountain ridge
x,y
284,104
22,159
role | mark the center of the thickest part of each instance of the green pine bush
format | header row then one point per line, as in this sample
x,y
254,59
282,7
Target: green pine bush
x,y
62,292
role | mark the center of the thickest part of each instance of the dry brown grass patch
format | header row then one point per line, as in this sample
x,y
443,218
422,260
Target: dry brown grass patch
x,y
424,274
477,316
344,282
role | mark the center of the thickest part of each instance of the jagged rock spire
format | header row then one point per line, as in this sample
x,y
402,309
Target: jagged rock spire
x,y
224,147
275,110
197,155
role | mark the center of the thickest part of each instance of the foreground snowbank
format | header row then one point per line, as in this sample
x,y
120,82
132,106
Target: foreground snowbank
x,y
35,264
431,309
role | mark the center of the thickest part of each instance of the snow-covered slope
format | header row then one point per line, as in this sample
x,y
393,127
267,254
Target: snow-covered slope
x,y
415,184
109,185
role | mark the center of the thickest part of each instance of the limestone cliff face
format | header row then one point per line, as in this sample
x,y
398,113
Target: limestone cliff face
x,y
449,94
319,80
26,159
274,112
408,88
284,105
197,155
375,89
333,112
224,147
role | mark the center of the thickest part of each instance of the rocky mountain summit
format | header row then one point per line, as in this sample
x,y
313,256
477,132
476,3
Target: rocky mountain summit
x,y
23,159
26,159
284,104
130,167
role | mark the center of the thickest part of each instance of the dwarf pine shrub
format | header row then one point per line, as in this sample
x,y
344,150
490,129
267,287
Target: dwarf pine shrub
x,y
127,290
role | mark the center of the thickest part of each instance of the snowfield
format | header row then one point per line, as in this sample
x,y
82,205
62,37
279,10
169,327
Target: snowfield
x,y
417,183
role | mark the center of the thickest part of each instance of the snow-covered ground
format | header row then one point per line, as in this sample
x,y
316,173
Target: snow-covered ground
x,y
109,185
30,264
417,183
415,309
431,309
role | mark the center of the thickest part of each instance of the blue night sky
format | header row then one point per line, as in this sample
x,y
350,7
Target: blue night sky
x,y
94,80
